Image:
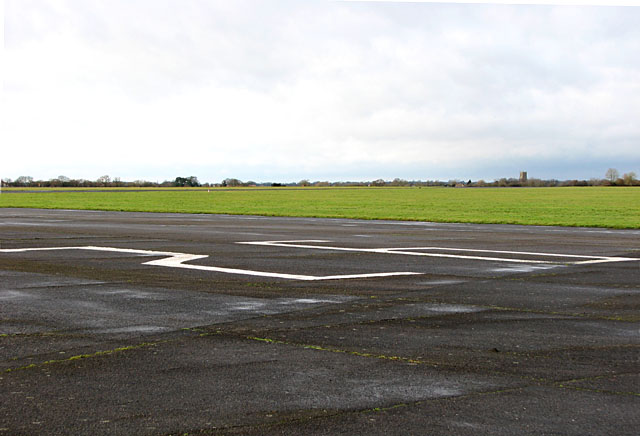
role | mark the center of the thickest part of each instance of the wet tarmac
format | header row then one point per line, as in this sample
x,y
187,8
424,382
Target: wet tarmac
x,y
161,324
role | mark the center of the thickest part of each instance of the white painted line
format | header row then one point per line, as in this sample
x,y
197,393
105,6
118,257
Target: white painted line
x,y
409,251
22,250
496,251
176,260
460,256
90,247
385,251
173,262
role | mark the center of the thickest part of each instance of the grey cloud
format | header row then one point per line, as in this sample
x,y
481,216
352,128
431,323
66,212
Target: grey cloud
x,y
366,85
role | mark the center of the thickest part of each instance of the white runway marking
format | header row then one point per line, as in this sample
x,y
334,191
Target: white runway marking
x,y
413,251
176,260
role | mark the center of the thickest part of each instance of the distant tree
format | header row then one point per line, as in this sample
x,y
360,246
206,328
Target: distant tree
x,y
231,182
62,181
595,182
186,181
304,182
629,178
399,182
612,174
23,181
378,182
103,181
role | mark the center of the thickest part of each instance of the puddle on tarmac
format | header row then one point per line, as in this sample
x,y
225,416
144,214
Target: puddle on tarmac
x,y
524,268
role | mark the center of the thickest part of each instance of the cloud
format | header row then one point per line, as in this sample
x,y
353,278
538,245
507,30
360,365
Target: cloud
x,y
284,90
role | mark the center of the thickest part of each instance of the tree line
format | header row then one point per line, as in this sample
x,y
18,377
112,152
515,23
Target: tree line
x,y
612,178
100,182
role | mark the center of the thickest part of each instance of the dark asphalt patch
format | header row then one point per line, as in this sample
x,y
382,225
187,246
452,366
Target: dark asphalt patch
x,y
99,343
530,411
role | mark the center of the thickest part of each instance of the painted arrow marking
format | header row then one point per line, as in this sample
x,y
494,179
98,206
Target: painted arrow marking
x,y
177,260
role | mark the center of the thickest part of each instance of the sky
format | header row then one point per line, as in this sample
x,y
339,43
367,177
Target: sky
x,y
285,90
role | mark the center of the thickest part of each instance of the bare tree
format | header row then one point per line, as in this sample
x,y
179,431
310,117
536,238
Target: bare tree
x,y
612,174
629,178
104,180
399,182
23,181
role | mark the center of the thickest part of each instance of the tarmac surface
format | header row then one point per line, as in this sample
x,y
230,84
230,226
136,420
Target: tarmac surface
x,y
158,324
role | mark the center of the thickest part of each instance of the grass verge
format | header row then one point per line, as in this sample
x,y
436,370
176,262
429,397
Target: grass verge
x,y
611,207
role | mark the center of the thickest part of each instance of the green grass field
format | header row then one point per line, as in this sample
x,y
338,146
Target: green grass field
x,y
614,207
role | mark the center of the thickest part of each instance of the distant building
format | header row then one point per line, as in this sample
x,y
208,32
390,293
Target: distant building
x,y
523,176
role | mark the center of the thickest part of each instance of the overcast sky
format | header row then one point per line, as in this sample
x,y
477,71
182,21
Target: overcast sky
x,y
279,90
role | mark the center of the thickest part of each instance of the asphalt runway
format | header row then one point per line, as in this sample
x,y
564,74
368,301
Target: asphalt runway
x,y
154,324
